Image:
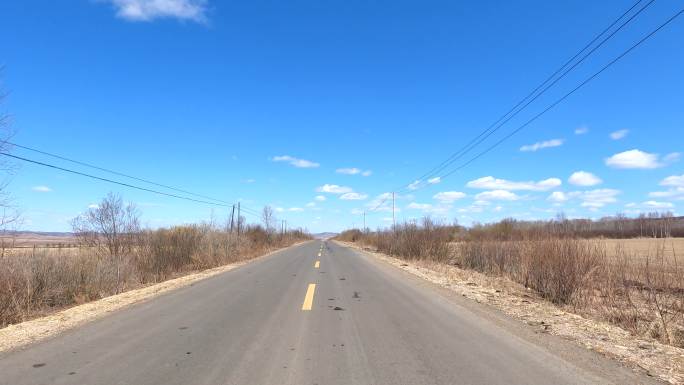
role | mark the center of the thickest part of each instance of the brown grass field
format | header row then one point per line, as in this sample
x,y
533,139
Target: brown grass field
x,y
646,246
30,240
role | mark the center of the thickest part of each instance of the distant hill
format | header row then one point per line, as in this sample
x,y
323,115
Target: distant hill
x,y
324,235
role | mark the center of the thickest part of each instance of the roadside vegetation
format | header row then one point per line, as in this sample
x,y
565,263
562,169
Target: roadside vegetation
x,y
637,284
113,254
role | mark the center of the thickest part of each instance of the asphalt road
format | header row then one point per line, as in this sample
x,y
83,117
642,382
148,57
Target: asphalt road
x,y
368,323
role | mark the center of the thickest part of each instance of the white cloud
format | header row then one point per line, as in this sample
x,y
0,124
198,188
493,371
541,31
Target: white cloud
x,y
333,189
583,178
676,193
448,196
558,197
598,198
93,206
290,209
440,209
348,171
320,198
353,171
383,202
300,163
673,181
148,10
434,180
471,209
490,183
419,206
497,195
41,189
311,204
357,211
249,180
638,159
414,185
540,145
353,196
658,205
619,134
581,130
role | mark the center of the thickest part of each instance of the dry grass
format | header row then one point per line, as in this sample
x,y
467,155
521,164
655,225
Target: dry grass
x,y
38,281
659,360
30,240
639,247
637,284
15,336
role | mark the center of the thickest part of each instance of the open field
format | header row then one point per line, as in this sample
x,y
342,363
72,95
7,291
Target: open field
x,y
635,248
645,246
34,239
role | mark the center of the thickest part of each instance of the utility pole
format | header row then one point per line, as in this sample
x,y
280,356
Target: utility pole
x,y
394,223
238,224
232,218
364,221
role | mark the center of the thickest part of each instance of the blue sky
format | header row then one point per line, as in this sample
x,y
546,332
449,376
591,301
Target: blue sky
x,y
268,102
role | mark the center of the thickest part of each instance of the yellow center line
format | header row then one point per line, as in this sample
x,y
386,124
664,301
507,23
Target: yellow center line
x,y
308,298
317,264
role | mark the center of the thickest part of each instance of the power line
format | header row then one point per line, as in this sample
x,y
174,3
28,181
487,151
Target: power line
x,y
114,172
512,112
554,104
111,180
224,203
548,108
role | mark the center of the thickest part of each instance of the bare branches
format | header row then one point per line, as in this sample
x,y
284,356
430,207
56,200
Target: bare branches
x,y
8,213
268,218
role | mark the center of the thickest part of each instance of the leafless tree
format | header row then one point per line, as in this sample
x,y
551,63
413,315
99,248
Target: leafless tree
x,y
9,215
268,218
111,228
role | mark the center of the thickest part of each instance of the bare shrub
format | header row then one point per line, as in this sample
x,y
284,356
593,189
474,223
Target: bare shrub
x,y
117,257
111,228
427,240
644,294
555,268
166,250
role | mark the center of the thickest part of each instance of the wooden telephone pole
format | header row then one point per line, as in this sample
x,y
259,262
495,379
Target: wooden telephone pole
x,y
394,223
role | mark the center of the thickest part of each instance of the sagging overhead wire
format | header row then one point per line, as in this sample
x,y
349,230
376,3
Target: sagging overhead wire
x,y
544,86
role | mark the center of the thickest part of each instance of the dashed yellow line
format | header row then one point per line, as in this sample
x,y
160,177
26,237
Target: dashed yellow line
x,y
317,264
308,298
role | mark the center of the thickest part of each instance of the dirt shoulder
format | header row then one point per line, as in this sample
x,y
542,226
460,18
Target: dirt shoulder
x,y
21,334
655,359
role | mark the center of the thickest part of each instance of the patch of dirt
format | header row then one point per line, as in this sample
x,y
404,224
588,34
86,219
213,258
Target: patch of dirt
x,y
656,359
21,334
